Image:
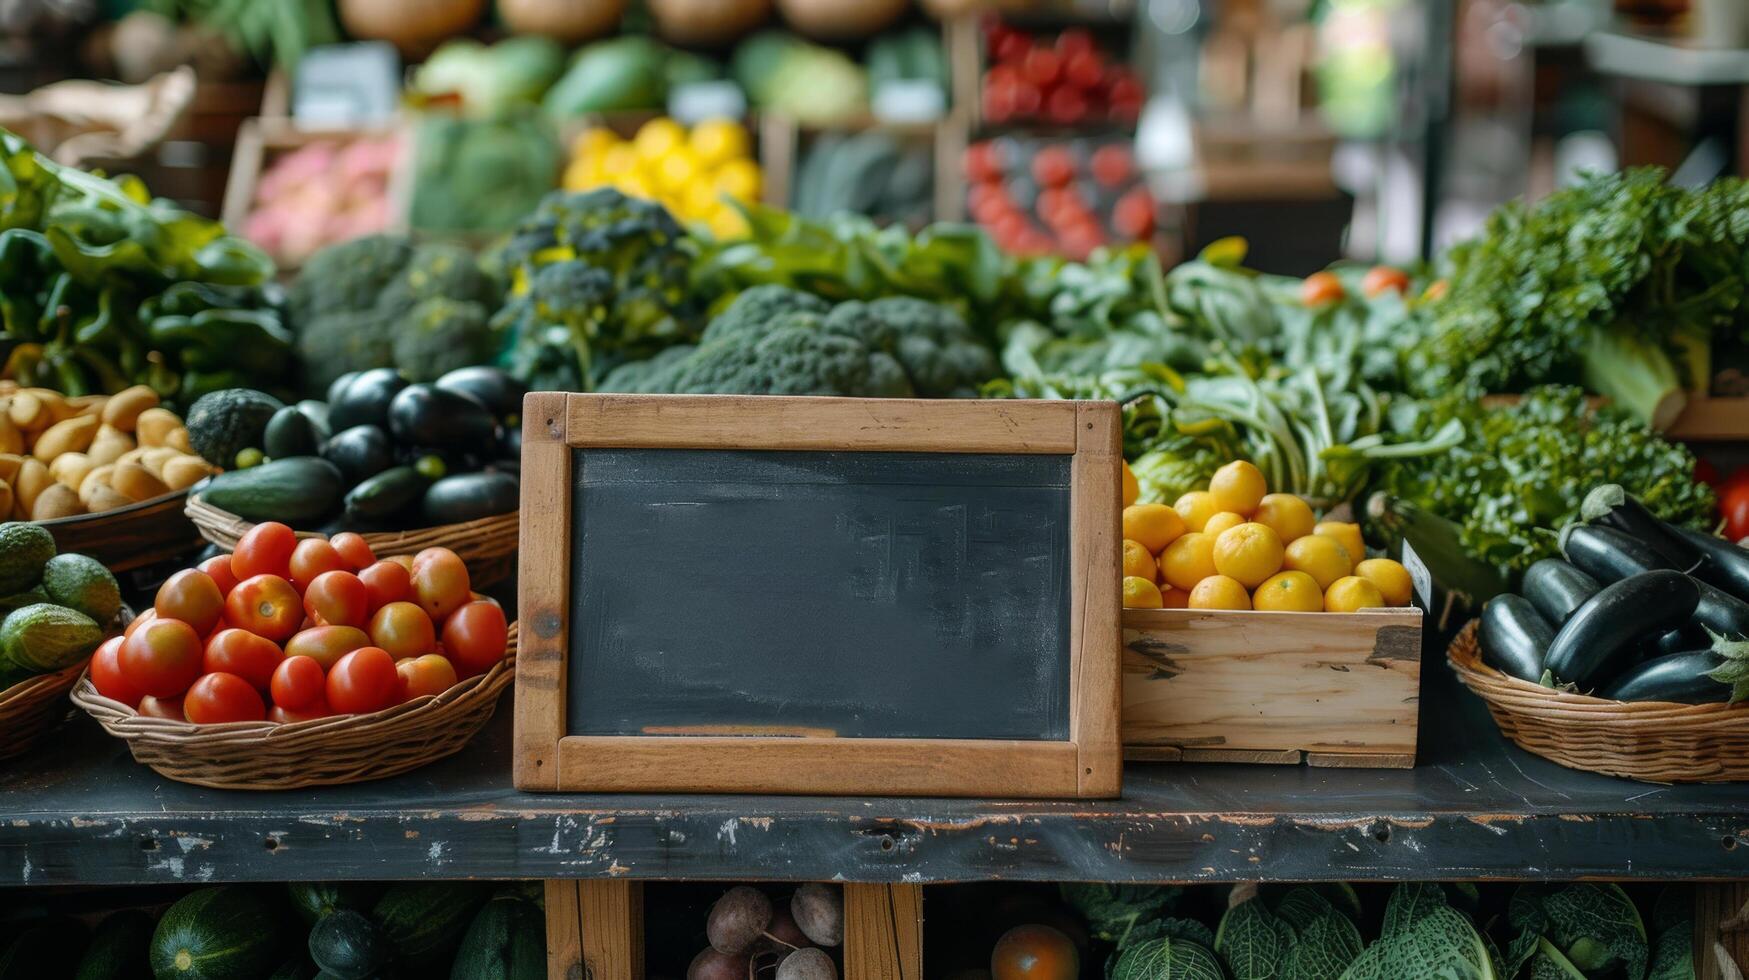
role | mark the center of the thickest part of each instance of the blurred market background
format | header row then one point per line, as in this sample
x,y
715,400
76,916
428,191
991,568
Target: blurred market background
x,y
1372,130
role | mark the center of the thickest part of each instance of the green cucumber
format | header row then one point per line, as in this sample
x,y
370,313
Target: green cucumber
x,y
1557,588
223,933
506,941
300,490
348,945
424,921
1514,637
1679,677
1599,641
386,494
119,948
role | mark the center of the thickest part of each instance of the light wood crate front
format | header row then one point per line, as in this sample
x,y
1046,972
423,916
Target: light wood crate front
x,y
1329,689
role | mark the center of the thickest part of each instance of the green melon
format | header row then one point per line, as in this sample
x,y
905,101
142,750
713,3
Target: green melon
x,y
223,933
44,638
82,583
24,549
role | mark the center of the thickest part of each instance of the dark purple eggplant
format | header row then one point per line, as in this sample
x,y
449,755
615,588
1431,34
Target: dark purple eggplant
x,y
1679,677
1601,639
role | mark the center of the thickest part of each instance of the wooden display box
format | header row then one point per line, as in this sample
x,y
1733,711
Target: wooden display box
x,y
1329,689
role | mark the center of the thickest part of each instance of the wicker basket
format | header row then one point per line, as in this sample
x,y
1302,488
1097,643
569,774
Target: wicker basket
x,y
129,537
323,752
487,546
29,708
1654,741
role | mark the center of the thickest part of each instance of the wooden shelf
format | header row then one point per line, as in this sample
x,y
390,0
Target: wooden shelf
x,y
1713,420
1670,62
79,809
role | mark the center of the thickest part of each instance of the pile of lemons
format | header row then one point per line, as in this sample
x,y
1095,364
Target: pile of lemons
x,y
688,171
1238,546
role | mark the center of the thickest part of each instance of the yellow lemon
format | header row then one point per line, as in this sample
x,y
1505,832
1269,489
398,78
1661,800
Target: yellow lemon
x,y
1238,487
1352,593
1171,598
1287,513
1348,534
1250,553
1131,489
740,179
1391,579
592,141
1196,507
1320,556
658,138
1188,560
717,141
677,171
727,224
1138,562
1226,520
1139,593
1288,592
617,160
1219,592
581,175
1154,525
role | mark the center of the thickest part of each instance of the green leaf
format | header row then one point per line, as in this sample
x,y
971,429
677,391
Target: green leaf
x,y
1597,926
1325,948
1112,911
1172,928
1673,953
1547,963
1423,936
1166,959
1250,941
1302,906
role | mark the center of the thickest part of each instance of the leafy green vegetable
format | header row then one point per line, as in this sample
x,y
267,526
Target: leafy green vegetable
x,y
270,31
1324,947
492,80
1594,925
1165,958
1112,911
814,84
1172,928
1252,941
1673,953
1423,936
481,174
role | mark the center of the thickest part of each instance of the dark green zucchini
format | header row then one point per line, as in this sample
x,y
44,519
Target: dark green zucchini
x,y
1601,638
1725,564
1613,507
1557,588
298,490
471,496
1514,637
1607,554
349,945
390,492
1678,677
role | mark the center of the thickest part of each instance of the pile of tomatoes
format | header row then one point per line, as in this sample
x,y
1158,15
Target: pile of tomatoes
x,y
288,630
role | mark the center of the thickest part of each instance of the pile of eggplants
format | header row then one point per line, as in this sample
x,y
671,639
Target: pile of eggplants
x,y
1636,609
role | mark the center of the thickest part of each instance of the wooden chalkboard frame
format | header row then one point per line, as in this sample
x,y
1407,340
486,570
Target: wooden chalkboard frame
x,y
1088,764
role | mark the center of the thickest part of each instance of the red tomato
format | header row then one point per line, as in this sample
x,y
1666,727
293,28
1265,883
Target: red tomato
x,y
1074,40
1380,278
1084,69
440,585
385,582
1042,67
1012,46
405,561
240,652
1066,106
1705,472
326,644
312,557
170,708
1113,165
264,549
285,716
337,599
1322,289
420,676
162,657
981,163
192,596
265,605
403,629
363,681
354,549
139,621
1734,504
474,637
299,684
218,568
218,698
1053,166
1027,99
1133,215
107,676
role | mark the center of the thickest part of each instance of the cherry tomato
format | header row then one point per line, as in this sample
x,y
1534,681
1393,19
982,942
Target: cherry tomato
x,y
218,568
162,657
192,596
402,629
354,549
364,680
1734,504
337,599
285,716
139,621
264,549
1435,290
299,684
1321,289
107,676
1035,952
240,652
385,582
474,637
170,708
223,697
312,557
326,644
441,586
420,676
265,605
1380,278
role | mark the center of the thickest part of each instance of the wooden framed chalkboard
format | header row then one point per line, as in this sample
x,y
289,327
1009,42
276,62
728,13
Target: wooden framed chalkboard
x,y
818,595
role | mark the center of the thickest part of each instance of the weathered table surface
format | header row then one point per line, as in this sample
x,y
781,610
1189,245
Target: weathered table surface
x,y
79,809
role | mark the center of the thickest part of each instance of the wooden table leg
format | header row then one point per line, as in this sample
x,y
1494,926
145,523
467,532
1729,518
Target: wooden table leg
x,y
595,930
883,932
1721,918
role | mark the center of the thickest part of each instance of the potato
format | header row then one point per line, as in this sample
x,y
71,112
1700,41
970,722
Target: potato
x,y
10,464
55,402
177,439
108,445
72,435
133,455
33,479
738,919
70,469
819,912
88,405
11,440
98,475
124,408
56,501
28,413
153,426
807,964
135,482
154,459
105,498
184,471
712,965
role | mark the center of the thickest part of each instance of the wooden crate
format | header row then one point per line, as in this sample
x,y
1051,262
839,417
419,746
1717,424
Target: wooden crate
x,y
1329,689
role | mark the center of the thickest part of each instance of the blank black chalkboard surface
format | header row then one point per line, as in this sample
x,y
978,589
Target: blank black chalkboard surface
x,y
818,595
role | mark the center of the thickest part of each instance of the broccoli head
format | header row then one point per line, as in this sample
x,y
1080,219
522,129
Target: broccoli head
x,y
439,335
347,276
552,326
940,353
652,376
795,355
440,269
345,340
755,308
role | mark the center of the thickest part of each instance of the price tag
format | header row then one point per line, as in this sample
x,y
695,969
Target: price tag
x,y
1419,575
339,86
909,100
694,102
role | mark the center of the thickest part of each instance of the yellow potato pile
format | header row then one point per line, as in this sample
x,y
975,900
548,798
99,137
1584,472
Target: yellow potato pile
x,y
61,456
1238,546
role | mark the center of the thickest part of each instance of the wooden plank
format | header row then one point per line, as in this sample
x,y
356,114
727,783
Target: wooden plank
x,y
564,931
1272,757
828,766
826,424
612,913
1712,420
1274,682
1153,753
1360,760
1095,604
883,932
1721,928
543,589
